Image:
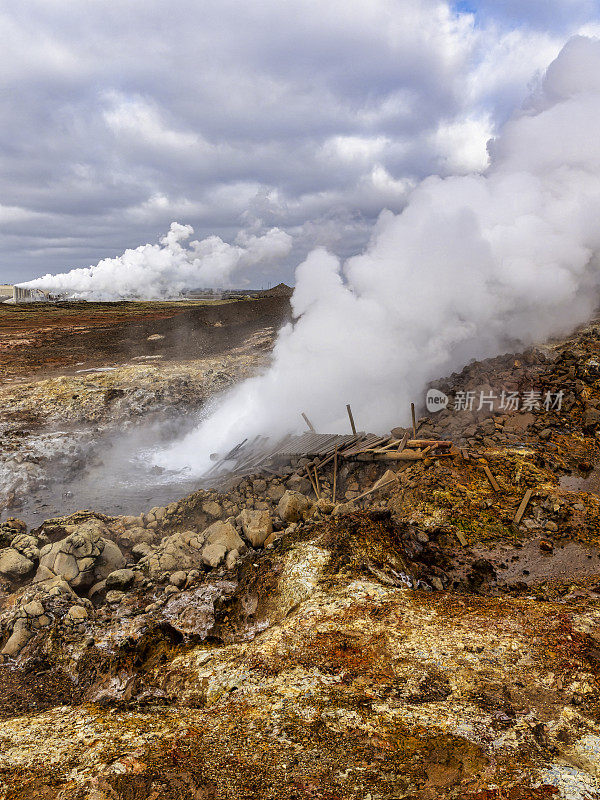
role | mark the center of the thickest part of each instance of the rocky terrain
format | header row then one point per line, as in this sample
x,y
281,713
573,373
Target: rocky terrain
x,y
72,378
260,642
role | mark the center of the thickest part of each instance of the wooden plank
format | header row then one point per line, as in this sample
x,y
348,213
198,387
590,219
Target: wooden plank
x,y
444,443
377,485
342,450
308,422
521,510
491,479
405,455
317,483
374,445
352,425
312,483
362,442
414,420
335,465
403,443
461,538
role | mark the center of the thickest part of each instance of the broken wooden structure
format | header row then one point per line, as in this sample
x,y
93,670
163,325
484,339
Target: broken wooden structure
x,y
318,449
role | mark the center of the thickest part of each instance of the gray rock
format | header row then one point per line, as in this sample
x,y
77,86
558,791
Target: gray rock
x,y
275,492
213,555
224,533
257,525
294,506
82,558
14,565
97,589
298,483
114,596
77,614
120,579
342,508
27,546
110,559
178,579
33,609
17,641
212,508
141,550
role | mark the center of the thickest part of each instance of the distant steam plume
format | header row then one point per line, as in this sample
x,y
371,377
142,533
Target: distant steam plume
x,y
472,266
166,269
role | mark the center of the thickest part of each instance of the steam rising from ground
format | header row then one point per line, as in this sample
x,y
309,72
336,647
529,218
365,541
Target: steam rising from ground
x,y
472,266
166,269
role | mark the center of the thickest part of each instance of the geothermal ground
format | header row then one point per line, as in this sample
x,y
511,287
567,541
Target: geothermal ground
x,y
85,387
265,643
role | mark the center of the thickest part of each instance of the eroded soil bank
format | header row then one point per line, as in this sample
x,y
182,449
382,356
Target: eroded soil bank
x,y
263,643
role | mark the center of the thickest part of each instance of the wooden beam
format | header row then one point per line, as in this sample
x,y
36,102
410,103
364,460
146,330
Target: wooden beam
x,y
308,422
405,455
317,484
414,420
403,443
491,479
312,483
374,488
521,510
335,463
352,425
429,443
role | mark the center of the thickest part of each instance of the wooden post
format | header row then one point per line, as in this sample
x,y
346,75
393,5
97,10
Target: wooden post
x,y
414,421
491,479
524,502
335,472
308,422
312,483
317,484
349,410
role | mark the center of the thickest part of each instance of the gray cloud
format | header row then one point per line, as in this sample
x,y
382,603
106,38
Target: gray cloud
x,y
120,117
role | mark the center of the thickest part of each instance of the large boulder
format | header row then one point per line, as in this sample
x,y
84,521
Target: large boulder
x,y
9,529
82,558
26,545
14,565
120,579
275,492
298,483
213,555
176,553
294,507
212,508
257,525
224,533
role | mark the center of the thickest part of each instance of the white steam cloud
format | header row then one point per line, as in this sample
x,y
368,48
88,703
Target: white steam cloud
x,y
166,269
473,265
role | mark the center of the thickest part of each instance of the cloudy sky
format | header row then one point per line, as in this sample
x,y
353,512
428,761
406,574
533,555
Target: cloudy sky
x,y
119,117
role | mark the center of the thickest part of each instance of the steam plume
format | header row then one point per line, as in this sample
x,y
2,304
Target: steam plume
x,y
166,269
472,265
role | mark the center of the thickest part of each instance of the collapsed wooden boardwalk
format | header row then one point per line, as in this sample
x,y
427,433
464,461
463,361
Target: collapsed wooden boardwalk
x,y
262,454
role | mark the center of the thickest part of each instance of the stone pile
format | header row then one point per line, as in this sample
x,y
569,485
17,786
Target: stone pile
x,y
82,559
